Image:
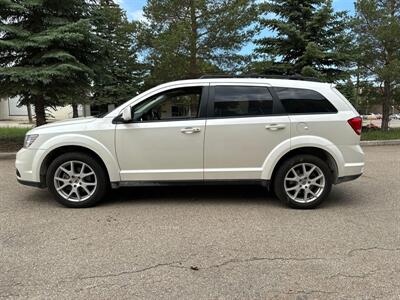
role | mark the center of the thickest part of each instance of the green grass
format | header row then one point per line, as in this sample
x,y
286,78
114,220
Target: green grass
x,y
13,134
11,139
377,134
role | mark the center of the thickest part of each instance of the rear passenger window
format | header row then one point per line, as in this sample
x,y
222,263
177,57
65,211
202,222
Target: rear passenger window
x,y
237,101
303,101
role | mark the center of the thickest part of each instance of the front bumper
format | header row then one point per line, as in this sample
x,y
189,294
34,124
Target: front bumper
x,y
28,166
31,183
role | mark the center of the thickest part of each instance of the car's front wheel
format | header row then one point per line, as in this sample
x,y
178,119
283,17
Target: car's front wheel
x,y
303,181
77,180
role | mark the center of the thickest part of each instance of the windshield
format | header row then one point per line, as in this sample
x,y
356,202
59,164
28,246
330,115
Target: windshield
x,y
101,115
118,108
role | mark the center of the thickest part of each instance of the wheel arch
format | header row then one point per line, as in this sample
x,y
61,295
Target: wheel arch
x,y
318,147
315,151
67,149
78,144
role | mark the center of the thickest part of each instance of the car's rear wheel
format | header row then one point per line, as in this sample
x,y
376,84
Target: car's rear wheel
x,y
303,181
77,180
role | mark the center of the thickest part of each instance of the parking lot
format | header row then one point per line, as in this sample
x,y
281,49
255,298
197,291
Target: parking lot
x,y
205,242
377,123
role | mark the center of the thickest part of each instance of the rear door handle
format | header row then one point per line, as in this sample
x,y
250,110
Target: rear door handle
x,y
190,130
275,127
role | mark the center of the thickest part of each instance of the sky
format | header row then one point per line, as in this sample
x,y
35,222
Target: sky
x,y
134,10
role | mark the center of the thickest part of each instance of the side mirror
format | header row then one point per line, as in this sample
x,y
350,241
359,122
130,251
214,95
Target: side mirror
x,y
127,114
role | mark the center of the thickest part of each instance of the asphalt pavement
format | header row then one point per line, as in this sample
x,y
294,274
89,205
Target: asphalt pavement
x,y
219,242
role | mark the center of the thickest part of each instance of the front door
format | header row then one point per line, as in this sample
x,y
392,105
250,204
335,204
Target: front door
x,y
165,140
242,129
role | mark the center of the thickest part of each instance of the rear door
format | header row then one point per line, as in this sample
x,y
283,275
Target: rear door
x,y
243,126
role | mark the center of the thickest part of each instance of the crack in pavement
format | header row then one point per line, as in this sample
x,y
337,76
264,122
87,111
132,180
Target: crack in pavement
x,y
8,238
9,295
130,272
253,259
363,276
303,292
370,249
170,264
178,264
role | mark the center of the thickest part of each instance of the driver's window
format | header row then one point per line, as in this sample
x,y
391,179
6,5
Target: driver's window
x,y
177,104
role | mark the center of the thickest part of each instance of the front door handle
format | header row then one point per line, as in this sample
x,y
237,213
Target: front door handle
x,y
190,130
274,127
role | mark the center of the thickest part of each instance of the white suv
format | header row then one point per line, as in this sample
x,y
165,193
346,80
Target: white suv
x,y
298,137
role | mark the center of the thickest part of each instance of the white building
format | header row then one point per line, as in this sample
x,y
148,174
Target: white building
x,y
9,110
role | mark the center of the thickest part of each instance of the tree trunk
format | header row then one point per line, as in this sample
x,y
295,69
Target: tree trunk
x,y
28,107
40,111
357,88
387,90
193,71
387,97
75,111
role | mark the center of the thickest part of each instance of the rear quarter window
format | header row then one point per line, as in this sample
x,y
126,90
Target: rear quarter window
x,y
303,101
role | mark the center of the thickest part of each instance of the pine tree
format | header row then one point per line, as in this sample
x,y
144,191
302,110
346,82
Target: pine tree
x,y
118,75
310,39
378,36
186,38
45,52
349,90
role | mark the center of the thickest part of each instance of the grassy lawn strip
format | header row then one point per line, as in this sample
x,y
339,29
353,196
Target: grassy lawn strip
x,y
377,134
10,133
12,139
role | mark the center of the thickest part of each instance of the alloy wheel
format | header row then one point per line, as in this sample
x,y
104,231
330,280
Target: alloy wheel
x,y
75,181
304,182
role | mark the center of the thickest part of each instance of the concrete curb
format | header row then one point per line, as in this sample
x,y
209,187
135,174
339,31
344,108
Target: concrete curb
x,y
7,155
380,143
11,155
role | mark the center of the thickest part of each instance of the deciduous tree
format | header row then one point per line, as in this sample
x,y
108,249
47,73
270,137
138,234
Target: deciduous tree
x,y
378,37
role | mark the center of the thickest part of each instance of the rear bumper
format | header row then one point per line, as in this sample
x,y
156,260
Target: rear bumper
x,y
348,178
352,169
353,157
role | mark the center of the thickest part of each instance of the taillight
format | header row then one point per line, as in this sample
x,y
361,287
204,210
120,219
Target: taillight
x,y
356,124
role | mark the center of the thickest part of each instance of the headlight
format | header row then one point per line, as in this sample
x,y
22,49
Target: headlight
x,y
29,139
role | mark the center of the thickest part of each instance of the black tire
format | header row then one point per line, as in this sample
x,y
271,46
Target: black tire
x,y
101,179
286,166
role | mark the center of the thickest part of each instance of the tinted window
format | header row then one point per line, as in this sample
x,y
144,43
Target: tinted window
x,y
236,101
178,104
303,101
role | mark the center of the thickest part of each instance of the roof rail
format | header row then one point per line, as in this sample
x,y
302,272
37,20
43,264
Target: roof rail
x,y
290,77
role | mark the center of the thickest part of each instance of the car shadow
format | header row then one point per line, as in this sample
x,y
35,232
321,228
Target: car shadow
x,y
203,194
238,194
342,197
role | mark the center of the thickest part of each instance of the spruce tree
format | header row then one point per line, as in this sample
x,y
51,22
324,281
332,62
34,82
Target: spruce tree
x,y
45,52
309,38
118,75
187,38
